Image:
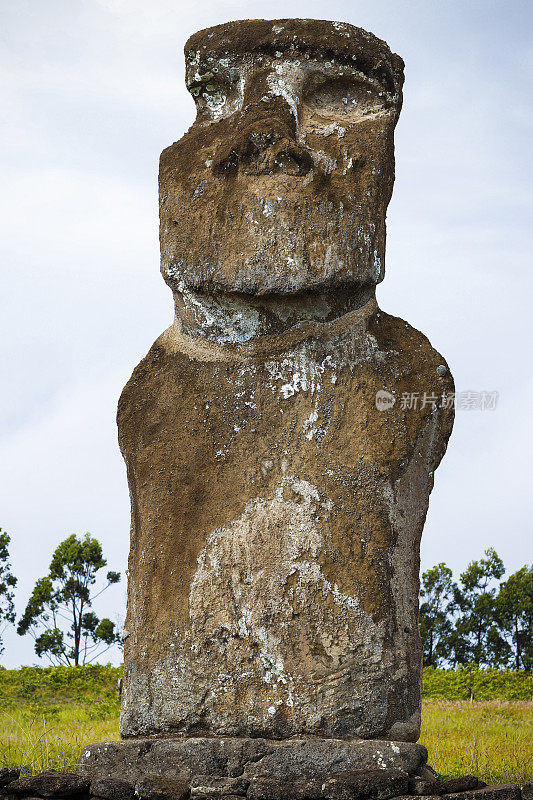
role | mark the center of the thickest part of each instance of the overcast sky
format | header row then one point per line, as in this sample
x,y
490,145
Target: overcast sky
x,y
91,93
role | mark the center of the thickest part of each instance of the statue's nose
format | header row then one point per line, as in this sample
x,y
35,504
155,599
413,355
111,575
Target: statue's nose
x,y
264,141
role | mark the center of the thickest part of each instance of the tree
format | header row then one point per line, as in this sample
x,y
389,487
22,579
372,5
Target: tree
x,y
7,584
514,605
477,636
58,613
436,595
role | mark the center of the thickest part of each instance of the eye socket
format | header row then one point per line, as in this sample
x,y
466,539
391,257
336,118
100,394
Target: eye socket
x,y
207,89
342,98
216,91
210,85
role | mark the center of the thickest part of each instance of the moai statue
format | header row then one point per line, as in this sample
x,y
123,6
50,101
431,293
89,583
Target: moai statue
x,y
282,435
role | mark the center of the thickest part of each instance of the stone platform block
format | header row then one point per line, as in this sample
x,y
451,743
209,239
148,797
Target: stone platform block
x,y
287,759
503,791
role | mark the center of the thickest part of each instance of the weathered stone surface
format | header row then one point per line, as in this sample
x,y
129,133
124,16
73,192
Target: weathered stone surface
x,y
12,796
346,786
507,791
216,786
527,791
462,784
195,759
374,784
425,787
282,183
323,758
286,540
425,783
279,482
154,787
50,784
231,797
8,774
427,773
112,789
270,788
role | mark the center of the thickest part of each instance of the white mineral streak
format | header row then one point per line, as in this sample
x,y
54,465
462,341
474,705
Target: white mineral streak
x,y
231,322
193,61
285,82
244,563
215,101
325,162
334,127
308,425
297,372
377,266
348,162
302,371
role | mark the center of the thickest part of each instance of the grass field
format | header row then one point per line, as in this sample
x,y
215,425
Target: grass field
x,y
492,739
46,717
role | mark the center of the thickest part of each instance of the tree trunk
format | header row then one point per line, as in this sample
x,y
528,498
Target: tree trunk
x,y
517,640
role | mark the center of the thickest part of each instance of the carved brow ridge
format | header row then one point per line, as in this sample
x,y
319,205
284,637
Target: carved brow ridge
x,y
366,66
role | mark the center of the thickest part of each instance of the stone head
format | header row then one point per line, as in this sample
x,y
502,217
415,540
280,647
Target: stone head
x,y
281,184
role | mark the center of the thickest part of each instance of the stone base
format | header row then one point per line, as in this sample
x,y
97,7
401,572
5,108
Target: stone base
x,y
197,759
366,784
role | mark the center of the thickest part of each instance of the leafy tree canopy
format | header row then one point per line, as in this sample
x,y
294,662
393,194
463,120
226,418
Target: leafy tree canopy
x,y
477,621
7,584
477,635
436,595
514,605
58,614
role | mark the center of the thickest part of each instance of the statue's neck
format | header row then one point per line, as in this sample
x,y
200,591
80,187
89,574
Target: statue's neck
x,y
240,318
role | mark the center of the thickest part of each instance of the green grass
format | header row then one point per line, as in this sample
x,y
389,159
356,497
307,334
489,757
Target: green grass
x,y
48,715
34,739
491,739
487,684
59,685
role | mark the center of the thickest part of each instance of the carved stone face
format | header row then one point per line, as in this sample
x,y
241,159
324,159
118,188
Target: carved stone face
x,y
282,183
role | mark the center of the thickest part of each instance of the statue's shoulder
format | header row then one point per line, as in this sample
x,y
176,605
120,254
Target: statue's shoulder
x,y
410,347
152,373
417,389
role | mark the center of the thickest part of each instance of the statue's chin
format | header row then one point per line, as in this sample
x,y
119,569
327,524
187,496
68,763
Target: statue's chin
x,y
274,269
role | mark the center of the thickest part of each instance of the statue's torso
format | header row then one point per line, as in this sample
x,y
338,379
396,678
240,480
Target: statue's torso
x,y
276,518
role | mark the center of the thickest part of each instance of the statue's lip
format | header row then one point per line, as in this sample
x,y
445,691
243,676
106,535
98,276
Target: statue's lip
x,y
266,174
